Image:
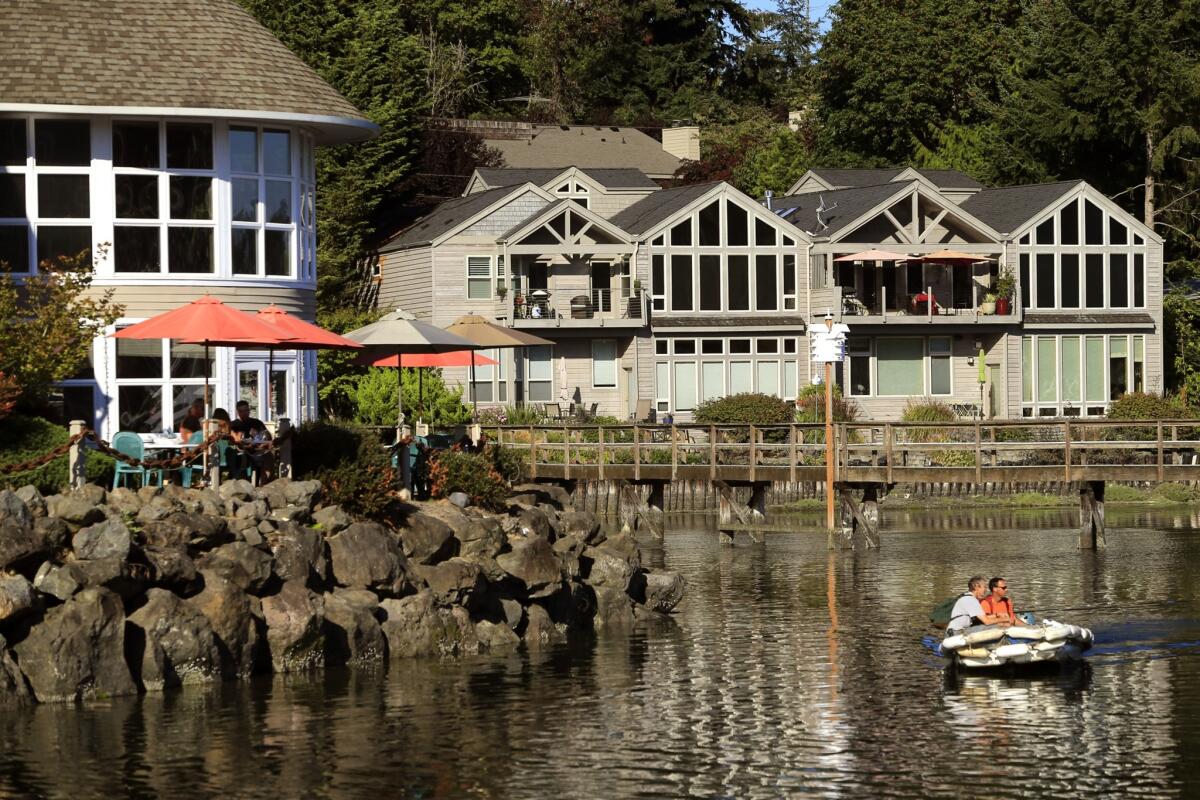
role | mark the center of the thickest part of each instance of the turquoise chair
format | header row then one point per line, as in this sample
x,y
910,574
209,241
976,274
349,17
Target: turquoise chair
x,y
130,444
196,466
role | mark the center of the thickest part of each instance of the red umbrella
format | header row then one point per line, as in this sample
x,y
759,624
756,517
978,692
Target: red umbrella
x,y
301,336
209,321
453,358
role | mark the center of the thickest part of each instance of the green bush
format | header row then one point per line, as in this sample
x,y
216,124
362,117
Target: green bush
x,y
1145,405
471,473
352,465
23,438
747,408
810,405
428,398
507,461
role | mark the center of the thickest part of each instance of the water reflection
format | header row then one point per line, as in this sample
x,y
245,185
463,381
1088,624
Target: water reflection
x,y
788,671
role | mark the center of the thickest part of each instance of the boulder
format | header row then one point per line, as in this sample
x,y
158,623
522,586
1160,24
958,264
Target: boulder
x,y
15,508
540,630
125,501
128,579
332,519
92,493
257,510
351,628
243,565
295,628
16,596
614,608
107,539
236,620
33,500
273,493
624,547
480,537
300,556
546,493
19,545
584,524
148,493
569,549
415,627
52,532
240,489
366,556
514,612
606,569
55,581
533,522
14,692
303,494
292,514
496,637
77,652
453,582
196,531
172,568
460,499
74,510
170,643
664,591
534,564
428,539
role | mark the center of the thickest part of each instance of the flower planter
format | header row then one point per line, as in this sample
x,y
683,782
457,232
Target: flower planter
x,y
1003,305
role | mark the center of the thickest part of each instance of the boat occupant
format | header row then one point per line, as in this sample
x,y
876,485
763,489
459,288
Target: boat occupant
x,y
968,611
998,603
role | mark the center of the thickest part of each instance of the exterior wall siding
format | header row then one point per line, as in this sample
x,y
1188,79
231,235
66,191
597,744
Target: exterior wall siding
x,y
406,281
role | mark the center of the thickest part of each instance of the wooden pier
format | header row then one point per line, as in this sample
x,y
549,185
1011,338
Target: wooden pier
x,y
869,459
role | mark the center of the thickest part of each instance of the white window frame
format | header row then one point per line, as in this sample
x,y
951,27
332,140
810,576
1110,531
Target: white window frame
x,y
1038,408
614,361
477,277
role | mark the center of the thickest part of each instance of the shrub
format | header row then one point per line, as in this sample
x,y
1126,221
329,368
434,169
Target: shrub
x,y
428,397
470,473
747,408
354,469
810,405
1145,405
23,438
508,462
524,415
928,410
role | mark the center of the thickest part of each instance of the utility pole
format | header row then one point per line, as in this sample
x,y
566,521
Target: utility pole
x,y
829,348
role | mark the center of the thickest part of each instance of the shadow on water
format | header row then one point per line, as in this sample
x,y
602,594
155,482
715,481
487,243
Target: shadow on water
x,y
788,670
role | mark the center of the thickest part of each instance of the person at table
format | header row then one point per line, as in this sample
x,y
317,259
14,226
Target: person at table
x,y
968,611
246,426
193,419
222,418
998,603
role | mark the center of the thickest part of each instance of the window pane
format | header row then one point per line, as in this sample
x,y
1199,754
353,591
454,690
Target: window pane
x,y
67,403
140,408
187,360
739,283
739,345
710,283
278,204
182,397
12,142
1139,281
12,195
681,283
191,197
860,375
1068,223
137,196
190,250
685,347
136,249
681,234
189,145
1069,279
139,358
1027,369
1139,363
1093,366
685,386
277,152
1047,370
1118,361
135,144
1093,223
662,380
736,224
604,362
479,288
789,275
939,375
1118,280
1070,370
768,377
243,149
1094,280
14,248
245,199
712,380
1045,232
741,375
62,142
1044,296
791,379
57,241
540,363
766,285
63,196
245,251
710,225
1117,233
712,346
764,233
277,257
1026,282
900,366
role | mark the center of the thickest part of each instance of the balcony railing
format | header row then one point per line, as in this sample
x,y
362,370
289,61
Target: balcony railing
x,y
918,305
601,304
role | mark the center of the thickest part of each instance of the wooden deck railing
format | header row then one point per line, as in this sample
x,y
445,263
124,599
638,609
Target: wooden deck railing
x,y
883,452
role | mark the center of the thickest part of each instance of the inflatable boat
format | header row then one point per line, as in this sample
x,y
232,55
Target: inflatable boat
x,y
992,646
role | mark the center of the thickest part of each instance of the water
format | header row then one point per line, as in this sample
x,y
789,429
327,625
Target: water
x,y
758,688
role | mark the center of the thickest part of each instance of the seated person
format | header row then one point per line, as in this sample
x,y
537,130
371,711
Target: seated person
x,y
968,611
536,311
998,603
222,418
246,426
193,419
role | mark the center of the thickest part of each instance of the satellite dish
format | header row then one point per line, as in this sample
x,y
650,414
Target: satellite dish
x,y
823,209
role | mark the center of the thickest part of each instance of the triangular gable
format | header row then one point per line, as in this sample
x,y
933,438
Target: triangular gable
x,y
810,182
913,215
534,197
724,190
1086,190
476,184
544,227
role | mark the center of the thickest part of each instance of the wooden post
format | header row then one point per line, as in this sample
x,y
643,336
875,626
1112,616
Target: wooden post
x,y
566,434
888,435
1067,451
532,454
753,451
285,452
77,455
627,505
212,456
978,453
829,453
712,452
674,453
792,453
1160,451
1091,515
600,450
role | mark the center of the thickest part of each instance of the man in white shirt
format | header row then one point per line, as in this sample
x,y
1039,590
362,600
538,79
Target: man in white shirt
x,y
967,611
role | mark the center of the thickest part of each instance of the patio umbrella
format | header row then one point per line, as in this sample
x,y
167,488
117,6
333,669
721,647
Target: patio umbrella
x,y
303,336
564,394
206,321
873,255
487,335
453,358
400,333
953,255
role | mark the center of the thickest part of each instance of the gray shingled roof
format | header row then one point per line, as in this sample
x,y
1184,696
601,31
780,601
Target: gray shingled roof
x,y
446,216
801,209
587,147
645,214
617,178
857,178
1007,209
194,54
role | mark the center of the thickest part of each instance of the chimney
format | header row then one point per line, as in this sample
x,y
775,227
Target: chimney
x,y
682,141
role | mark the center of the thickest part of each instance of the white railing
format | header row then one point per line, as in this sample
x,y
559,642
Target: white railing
x,y
586,304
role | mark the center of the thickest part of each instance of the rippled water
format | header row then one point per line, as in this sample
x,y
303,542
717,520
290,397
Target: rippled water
x,y
788,672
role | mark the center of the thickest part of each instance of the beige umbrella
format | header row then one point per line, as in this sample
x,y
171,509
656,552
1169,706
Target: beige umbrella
x,y
954,255
487,335
873,255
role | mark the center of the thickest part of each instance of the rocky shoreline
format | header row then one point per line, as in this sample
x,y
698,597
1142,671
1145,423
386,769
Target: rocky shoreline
x,y
106,593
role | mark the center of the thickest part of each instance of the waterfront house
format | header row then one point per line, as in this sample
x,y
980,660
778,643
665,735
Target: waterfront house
x,y
662,298
174,142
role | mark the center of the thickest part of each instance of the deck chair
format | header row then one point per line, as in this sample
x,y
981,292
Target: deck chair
x,y
643,412
130,444
197,466
554,411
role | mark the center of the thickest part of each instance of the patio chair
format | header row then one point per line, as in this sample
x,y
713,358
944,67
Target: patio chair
x,y
591,411
643,412
554,411
196,466
232,462
130,444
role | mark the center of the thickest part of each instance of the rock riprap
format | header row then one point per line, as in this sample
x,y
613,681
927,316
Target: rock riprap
x,y
113,593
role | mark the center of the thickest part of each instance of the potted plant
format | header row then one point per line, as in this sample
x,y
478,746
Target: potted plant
x,y
637,285
1006,286
501,292
988,306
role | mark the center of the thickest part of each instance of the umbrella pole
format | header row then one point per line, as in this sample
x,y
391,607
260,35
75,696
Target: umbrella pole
x,y
474,399
421,391
270,366
207,414
400,395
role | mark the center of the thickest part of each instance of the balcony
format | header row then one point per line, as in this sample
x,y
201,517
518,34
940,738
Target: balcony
x,y
593,308
908,309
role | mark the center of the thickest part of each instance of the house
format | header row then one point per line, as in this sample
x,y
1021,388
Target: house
x,y
175,142
674,296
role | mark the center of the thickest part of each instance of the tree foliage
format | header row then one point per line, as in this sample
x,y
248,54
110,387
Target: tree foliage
x,y
425,396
